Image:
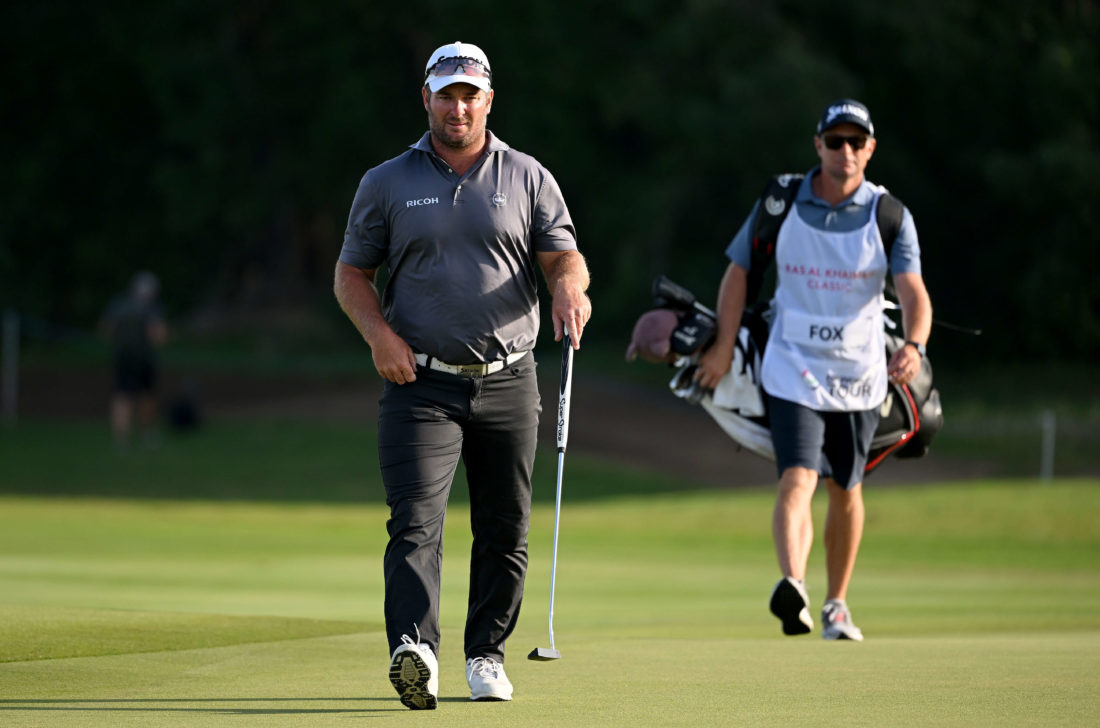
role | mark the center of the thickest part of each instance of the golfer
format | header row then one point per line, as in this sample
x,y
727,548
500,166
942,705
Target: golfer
x,y
825,369
463,223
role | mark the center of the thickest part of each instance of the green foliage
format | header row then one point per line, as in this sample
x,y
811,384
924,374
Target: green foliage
x,y
219,144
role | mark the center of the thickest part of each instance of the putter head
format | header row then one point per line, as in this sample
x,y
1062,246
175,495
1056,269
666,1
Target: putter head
x,y
543,654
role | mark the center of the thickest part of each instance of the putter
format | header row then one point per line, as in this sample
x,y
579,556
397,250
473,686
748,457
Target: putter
x,y
543,653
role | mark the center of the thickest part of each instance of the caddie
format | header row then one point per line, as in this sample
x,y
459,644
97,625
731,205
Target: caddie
x,y
824,368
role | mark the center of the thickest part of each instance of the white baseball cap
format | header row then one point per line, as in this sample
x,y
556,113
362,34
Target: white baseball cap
x,y
458,63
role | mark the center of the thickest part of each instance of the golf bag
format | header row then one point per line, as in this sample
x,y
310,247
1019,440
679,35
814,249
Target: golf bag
x,y
678,329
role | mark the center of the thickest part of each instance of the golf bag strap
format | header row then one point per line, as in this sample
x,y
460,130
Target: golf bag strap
x,y
889,216
774,206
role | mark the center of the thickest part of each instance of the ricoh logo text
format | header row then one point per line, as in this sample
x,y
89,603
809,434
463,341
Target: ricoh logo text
x,y
425,201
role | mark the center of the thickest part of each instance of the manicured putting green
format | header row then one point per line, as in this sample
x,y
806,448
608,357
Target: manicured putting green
x,y
47,633
978,601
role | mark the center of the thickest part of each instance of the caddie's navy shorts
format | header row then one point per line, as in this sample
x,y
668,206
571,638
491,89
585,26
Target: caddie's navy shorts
x,y
835,444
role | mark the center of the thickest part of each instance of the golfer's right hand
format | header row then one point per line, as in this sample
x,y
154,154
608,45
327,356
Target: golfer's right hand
x,y
394,359
713,365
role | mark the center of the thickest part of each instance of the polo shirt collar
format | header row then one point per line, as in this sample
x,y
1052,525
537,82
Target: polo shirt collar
x,y
863,196
425,143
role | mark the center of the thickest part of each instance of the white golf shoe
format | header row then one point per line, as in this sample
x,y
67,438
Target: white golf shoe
x,y
414,672
487,679
790,603
836,622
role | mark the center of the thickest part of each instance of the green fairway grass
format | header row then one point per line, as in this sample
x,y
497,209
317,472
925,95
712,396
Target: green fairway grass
x,y
38,633
978,601
279,460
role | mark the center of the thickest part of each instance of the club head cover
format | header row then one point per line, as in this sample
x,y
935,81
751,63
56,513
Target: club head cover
x,y
652,336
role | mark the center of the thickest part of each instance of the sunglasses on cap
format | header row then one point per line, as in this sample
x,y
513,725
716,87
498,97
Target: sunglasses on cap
x,y
459,67
836,141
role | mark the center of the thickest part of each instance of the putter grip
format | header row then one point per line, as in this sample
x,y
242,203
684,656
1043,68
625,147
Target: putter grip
x,y
563,391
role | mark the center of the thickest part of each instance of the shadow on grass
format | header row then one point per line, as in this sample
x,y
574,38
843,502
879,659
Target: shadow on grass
x,y
204,705
207,705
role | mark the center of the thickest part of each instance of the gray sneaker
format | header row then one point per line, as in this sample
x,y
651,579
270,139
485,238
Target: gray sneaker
x,y
790,603
487,679
836,622
414,672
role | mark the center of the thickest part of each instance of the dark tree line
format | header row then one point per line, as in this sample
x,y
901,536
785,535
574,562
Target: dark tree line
x,y
219,143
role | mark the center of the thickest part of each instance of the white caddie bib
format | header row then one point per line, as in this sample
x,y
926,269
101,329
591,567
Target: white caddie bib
x,y
826,348
828,332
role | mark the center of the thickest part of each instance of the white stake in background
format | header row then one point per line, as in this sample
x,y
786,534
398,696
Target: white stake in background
x,y
1047,423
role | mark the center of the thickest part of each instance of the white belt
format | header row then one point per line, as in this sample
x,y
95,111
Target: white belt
x,y
468,370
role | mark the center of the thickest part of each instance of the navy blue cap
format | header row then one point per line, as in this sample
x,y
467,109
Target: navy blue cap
x,y
846,111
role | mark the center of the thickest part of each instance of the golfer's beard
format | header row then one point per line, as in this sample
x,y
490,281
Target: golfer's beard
x,y
438,128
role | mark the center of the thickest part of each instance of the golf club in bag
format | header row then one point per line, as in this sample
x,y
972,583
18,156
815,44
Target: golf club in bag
x,y
679,328
543,653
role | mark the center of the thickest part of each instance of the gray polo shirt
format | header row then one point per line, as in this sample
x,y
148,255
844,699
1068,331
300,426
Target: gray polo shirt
x,y
463,277
850,214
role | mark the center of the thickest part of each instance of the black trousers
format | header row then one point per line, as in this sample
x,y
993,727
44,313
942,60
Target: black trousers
x,y
424,428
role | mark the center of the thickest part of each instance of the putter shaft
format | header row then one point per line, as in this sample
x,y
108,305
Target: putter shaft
x,y
540,653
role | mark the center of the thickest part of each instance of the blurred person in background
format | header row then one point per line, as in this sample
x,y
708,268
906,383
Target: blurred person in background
x,y
135,327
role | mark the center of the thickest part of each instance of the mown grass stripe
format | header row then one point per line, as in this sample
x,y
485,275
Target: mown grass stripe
x,y
49,633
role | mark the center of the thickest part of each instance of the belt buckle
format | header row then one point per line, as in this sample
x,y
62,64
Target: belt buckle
x,y
470,370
